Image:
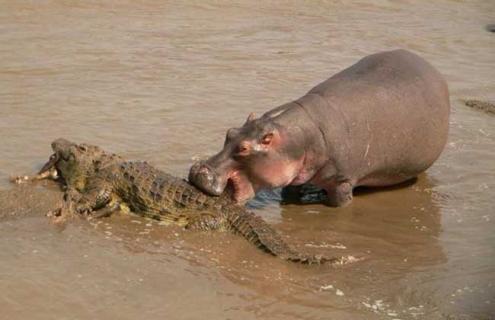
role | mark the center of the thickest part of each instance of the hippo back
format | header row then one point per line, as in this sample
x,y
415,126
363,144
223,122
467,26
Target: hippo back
x,y
385,115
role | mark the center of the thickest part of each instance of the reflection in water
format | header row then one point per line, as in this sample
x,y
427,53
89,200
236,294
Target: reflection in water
x,y
395,215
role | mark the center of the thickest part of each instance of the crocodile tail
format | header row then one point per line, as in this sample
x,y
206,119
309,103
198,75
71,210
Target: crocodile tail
x,y
259,233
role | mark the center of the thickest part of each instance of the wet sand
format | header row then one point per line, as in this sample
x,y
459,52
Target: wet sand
x,y
162,82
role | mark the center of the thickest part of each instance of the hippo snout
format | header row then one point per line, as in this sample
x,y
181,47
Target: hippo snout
x,y
206,179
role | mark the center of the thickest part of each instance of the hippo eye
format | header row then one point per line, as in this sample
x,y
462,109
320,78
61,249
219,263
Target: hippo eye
x,y
267,138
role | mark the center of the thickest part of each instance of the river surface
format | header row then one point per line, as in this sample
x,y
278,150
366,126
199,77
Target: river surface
x,y
162,81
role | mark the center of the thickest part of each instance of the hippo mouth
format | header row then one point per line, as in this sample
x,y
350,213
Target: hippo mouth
x,y
211,182
242,188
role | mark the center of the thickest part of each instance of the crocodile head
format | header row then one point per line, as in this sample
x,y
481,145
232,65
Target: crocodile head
x,y
72,163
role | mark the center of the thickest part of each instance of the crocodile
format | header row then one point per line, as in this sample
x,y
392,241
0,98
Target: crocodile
x,y
98,183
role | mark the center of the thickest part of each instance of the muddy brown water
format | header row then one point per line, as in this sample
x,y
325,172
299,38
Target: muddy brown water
x,y
162,81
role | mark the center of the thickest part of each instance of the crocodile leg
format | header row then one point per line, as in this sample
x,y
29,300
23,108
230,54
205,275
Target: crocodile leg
x,y
99,201
106,211
97,195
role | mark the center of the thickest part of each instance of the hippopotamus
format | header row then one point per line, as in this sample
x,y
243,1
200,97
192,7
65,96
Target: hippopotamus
x,y
380,122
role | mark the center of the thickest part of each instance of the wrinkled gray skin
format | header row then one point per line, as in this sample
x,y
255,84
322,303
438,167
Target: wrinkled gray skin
x,y
379,122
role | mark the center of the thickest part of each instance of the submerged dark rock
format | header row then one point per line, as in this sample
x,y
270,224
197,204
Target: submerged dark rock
x,y
485,106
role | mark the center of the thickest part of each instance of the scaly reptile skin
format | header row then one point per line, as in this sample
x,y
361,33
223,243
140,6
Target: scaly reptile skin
x,y
99,183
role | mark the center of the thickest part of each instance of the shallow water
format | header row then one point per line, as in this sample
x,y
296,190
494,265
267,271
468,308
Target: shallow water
x,y
162,82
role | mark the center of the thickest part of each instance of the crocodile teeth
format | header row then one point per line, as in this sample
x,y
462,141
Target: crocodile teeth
x,y
54,174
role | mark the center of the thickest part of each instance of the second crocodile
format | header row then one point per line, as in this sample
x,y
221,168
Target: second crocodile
x,y
98,183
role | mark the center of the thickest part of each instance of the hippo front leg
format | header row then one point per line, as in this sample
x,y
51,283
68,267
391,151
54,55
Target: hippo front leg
x,y
339,193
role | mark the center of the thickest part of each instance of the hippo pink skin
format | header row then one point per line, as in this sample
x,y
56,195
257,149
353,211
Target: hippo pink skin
x,y
380,122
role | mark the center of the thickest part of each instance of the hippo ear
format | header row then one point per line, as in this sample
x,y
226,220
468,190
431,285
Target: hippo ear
x,y
250,118
231,134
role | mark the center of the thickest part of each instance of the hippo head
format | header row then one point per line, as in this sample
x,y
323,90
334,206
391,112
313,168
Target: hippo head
x,y
257,155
